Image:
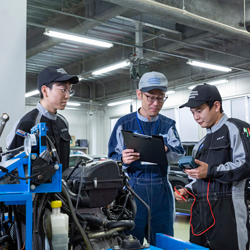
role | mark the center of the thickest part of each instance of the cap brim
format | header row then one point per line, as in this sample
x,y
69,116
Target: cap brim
x,y
72,79
154,87
192,104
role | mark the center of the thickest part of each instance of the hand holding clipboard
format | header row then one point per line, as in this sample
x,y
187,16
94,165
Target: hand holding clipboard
x,y
151,148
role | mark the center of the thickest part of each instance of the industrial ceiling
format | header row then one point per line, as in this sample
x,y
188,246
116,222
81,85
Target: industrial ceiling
x,y
160,35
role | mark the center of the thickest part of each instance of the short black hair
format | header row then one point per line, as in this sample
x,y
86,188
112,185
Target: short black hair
x,y
211,104
50,86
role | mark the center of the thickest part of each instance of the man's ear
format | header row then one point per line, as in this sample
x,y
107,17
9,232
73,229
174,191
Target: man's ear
x,y
217,106
44,90
139,94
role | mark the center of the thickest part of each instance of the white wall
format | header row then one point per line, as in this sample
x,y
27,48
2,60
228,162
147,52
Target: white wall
x,y
13,61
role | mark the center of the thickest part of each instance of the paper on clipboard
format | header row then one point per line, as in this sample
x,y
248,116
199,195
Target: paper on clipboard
x,y
151,148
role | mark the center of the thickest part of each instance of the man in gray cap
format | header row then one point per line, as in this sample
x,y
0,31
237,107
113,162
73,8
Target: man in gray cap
x,y
149,181
220,212
54,85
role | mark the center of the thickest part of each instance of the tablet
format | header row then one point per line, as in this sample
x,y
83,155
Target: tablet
x,y
151,148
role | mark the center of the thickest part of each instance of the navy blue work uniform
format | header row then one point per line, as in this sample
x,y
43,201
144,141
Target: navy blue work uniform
x,y
147,180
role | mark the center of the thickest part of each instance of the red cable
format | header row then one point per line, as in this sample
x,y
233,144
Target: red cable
x,y
192,208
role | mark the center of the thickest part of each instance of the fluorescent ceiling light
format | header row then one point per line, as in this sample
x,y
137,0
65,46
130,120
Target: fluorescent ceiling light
x,y
216,82
111,67
120,102
209,65
73,103
77,38
170,92
80,78
31,93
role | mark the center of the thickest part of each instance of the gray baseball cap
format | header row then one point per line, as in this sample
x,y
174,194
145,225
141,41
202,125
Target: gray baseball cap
x,y
153,80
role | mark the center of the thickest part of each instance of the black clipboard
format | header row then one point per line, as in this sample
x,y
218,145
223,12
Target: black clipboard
x,y
151,148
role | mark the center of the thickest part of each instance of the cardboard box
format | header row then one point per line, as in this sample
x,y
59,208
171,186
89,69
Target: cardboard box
x,y
73,141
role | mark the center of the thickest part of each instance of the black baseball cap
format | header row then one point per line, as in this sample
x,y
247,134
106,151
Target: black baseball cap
x,y
54,74
202,94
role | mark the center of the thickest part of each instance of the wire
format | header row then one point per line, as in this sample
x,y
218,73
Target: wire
x,y
190,221
75,167
80,189
84,236
53,149
17,229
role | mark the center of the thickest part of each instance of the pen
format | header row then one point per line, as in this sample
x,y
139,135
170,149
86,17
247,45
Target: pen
x,y
181,195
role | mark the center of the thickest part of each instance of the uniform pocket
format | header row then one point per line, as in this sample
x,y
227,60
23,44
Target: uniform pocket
x,y
66,136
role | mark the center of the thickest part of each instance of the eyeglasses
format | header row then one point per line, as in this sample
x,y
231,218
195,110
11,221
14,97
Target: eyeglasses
x,y
71,92
154,98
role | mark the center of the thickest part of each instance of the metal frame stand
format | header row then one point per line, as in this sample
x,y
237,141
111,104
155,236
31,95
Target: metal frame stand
x,y
22,199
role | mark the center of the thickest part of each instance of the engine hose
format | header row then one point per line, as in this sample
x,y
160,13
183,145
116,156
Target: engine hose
x,y
83,200
17,228
77,238
129,224
85,238
5,238
90,218
40,208
110,232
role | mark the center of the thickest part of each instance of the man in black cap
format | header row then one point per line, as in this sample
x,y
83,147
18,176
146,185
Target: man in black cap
x,y
219,215
54,85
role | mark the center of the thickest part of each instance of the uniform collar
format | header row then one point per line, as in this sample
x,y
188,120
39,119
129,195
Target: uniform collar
x,y
45,112
217,126
145,119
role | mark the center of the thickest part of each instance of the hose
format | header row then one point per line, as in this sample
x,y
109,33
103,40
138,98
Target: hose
x,y
91,219
40,208
83,200
17,229
129,224
85,238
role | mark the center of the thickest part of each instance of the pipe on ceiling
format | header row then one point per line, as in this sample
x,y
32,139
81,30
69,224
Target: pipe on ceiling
x,y
184,17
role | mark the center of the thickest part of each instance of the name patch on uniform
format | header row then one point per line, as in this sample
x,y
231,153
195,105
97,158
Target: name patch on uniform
x,y
219,138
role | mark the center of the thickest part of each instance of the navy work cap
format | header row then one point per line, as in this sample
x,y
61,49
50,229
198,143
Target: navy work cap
x,y
202,94
54,74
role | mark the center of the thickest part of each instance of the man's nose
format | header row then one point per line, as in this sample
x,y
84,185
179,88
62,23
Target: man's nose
x,y
196,116
156,101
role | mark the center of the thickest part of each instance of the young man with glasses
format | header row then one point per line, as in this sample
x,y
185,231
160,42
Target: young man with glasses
x,y
54,85
149,181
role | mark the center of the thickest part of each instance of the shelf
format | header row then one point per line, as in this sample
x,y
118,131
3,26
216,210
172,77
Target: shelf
x,y
83,149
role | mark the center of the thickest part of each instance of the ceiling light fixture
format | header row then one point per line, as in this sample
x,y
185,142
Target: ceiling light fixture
x,y
31,93
120,102
170,92
111,67
76,38
73,104
208,65
215,82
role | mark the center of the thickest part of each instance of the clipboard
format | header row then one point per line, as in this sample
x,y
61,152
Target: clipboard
x,y
151,148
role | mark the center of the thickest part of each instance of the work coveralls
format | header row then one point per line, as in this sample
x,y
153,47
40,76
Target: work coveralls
x,y
148,180
225,149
